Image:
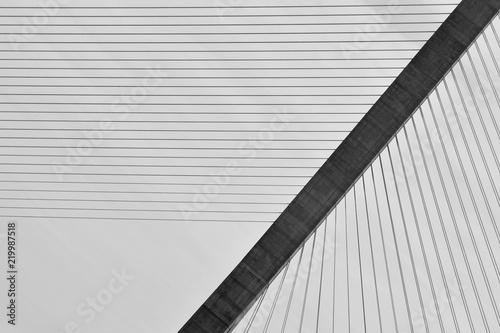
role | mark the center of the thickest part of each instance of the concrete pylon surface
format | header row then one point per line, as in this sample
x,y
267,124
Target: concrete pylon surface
x,y
233,298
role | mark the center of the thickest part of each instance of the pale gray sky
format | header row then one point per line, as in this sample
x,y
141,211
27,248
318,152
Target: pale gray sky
x,y
165,146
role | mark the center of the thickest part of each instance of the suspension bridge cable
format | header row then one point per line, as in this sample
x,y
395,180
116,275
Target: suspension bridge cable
x,y
321,276
474,133
368,224
481,88
359,259
334,268
474,167
347,265
278,293
478,215
408,244
480,116
433,237
386,261
420,240
455,223
257,308
292,290
307,283
398,255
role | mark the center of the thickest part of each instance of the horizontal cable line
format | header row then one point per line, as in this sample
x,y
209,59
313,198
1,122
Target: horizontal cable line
x,y
137,192
197,68
205,51
142,183
176,157
180,121
177,148
217,33
265,6
197,95
143,210
148,201
168,139
213,24
184,60
200,77
169,130
237,15
150,174
189,112
111,103
131,219
223,42
171,166
176,86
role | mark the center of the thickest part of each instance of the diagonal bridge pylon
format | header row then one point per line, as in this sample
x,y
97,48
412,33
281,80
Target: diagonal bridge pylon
x,y
224,309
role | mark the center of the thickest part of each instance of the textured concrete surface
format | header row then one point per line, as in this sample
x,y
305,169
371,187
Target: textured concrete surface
x,y
225,307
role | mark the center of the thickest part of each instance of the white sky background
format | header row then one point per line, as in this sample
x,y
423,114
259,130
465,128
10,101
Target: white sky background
x,y
66,257
460,230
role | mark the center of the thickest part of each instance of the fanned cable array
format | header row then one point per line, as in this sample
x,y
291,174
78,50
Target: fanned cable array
x,y
414,244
